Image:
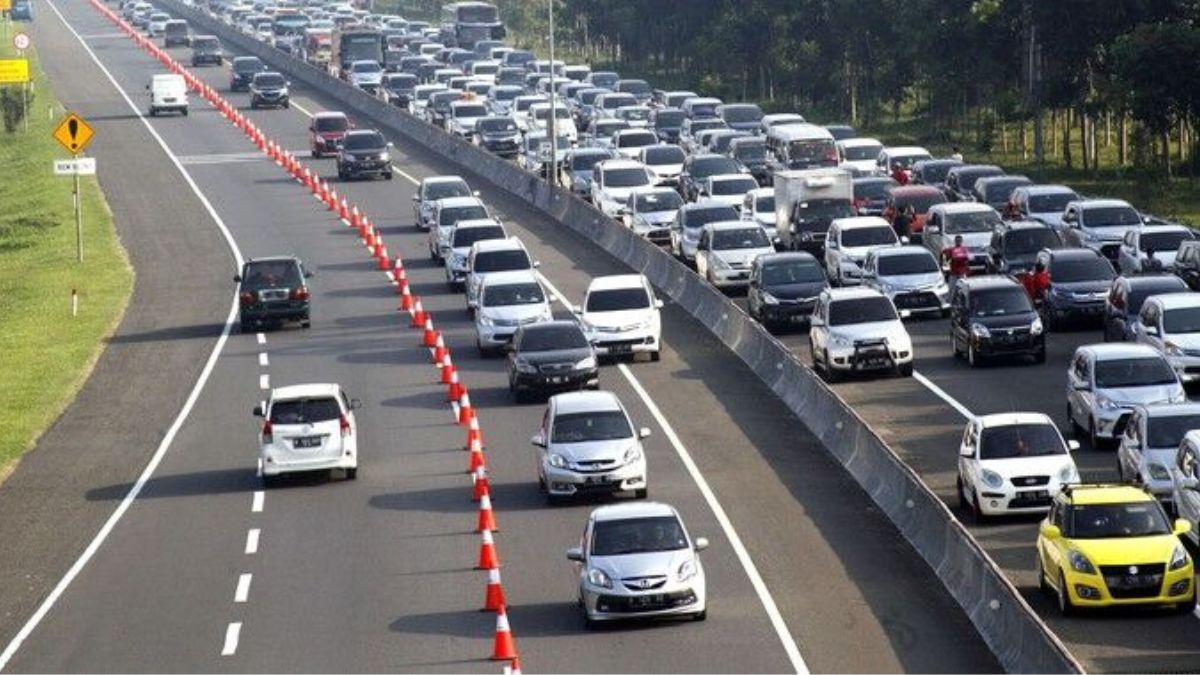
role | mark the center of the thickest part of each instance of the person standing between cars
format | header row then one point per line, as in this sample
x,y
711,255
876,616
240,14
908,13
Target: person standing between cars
x,y
1152,265
959,257
956,154
903,221
899,174
1036,282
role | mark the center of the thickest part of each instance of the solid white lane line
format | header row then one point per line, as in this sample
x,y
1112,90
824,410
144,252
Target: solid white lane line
x,y
261,337
941,393
256,506
264,381
743,556
252,540
232,633
242,593
262,359
88,553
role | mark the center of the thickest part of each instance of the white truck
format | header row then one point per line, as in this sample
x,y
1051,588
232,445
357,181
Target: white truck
x,y
806,201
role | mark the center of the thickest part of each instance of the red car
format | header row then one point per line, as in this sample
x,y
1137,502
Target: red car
x,y
326,131
920,197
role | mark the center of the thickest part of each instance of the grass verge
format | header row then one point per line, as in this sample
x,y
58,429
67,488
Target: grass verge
x,y
45,354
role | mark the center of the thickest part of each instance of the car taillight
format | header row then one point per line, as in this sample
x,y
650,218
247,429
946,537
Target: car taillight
x,y
344,424
267,435
300,293
248,298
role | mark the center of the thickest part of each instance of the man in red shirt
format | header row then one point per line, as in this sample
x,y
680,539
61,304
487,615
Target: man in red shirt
x,y
1036,281
959,257
899,174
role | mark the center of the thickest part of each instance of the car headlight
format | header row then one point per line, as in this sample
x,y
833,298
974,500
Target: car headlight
x,y
385,157
586,364
841,340
633,454
769,299
486,321
347,157
991,479
556,460
1036,327
980,331
687,570
524,367
597,577
1106,403
718,262
1068,474
1179,558
1158,471
1080,563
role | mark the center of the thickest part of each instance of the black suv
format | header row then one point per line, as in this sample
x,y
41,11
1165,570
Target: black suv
x,y
364,152
271,291
269,89
1080,279
992,316
551,356
784,288
1015,245
206,49
242,72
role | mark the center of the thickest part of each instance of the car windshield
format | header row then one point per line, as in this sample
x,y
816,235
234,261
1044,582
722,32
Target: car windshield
x,y
625,178
704,109
494,125
966,179
614,101
665,200
999,190
586,161
446,190
1139,292
711,166
453,215
1113,521
1133,372
872,189
1163,241
305,410
1081,269
501,261
811,150
636,140
1000,302
733,187
470,110
1012,441
858,153
634,114
746,237
634,86
638,535
552,338
513,294
543,114
814,215
465,236
861,310
1182,320
1052,203
936,173
606,128
331,124
663,155
250,65
364,142
765,204
1024,242
617,300
205,43
365,67
584,427
1167,431
907,263
268,80
706,125
505,94
881,235
697,218
792,272
272,274
964,223
1116,216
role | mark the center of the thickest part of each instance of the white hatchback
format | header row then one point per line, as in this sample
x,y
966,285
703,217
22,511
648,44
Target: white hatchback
x,y
1013,463
507,301
308,427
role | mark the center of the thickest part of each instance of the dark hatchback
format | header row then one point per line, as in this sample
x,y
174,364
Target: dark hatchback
x,y
784,288
551,356
1080,279
992,316
271,291
206,49
242,72
1125,300
364,152
1015,246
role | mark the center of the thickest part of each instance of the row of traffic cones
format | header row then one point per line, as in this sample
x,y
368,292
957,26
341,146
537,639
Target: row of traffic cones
x,y
504,644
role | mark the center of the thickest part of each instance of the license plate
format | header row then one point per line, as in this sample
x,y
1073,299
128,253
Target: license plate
x,y
620,349
599,479
306,442
872,363
799,318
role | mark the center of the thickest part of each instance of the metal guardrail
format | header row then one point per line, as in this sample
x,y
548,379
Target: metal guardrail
x,y
1020,640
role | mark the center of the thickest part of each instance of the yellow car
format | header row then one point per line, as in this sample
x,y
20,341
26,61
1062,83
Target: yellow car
x,y
1113,545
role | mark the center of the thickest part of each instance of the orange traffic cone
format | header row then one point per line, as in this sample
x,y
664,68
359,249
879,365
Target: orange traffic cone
x,y
398,269
487,517
493,598
406,300
476,459
344,210
465,411
505,647
355,218
439,351
430,336
418,314
381,256
446,366
482,486
330,197
474,434
454,390
515,668
489,559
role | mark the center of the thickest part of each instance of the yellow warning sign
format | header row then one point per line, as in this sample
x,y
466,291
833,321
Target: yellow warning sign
x,y
14,71
73,133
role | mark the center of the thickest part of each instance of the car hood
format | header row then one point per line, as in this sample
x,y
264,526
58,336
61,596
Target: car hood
x,y
571,356
521,313
656,564
1127,551
613,450
742,256
1149,395
1051,218
1112,233
366,78
1189,341
1048,465
656,218
893,331
796,291
1023,319
619,319
1163,456
504,136
666,170
908,282
1097,286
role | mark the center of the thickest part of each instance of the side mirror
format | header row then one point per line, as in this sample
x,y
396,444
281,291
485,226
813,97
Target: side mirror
x,y
577,310
475,193
1182,526
258,411
537,440
537,264
904,240
575,553
644,432
966,451
415,198
287,83
308,274
237,278
700,544
1190,483
1072,445
831,244
355,404
658,304
1050,531
905,313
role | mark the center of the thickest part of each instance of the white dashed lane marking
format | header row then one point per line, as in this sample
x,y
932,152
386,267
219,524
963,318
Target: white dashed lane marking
x,y
256,506
252,541
242,594
232,633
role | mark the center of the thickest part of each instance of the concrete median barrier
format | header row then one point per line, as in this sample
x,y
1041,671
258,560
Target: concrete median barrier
x,y
1019,639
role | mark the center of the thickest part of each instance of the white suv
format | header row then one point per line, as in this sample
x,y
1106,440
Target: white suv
x,y
620,315
1013,463
492,256
588,444
507,301
614,179
857,330
728,249
1171,324
308,427
849,241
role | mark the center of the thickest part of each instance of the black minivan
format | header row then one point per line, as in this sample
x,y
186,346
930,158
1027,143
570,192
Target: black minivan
x,y
271,291
992,316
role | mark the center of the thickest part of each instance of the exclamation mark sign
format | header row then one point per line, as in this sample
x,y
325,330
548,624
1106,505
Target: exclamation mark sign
x,y
73,129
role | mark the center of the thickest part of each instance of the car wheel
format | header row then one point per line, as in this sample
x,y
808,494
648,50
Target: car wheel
x,y
906,369
387,175
352,474
1040,356
1041,573
269,482
831,374
641,494
973,356
1093,438
701,615
655,356
1065,606
590,623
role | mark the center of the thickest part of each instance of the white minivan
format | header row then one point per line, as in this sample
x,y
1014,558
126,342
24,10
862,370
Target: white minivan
x,y
168,92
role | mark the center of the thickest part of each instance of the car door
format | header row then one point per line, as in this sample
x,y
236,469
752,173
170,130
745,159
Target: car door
x,y
1187,499
832,257
968,460
1129,451
933,234
1079,385
960,321
703,251
1050,551
1147,329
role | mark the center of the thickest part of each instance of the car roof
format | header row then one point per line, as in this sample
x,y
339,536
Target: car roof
x,y
852,293
892,151
1013,225
273,258
305,390
620,163
1118,350
472,223
704,205
894,251
631,510
724,225
453,202
510,277
759,192
1046,189
1155,280
585,401
1013,418
786,256
962,207
434,180
1107,494
357,132
989,281
1154,229
1077,253
1101,203
506,244
913,190
859,142
987,180
860,222
1177,300
614,281
718,177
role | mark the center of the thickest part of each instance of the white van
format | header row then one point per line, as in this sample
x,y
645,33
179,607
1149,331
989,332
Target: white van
x,y
167,92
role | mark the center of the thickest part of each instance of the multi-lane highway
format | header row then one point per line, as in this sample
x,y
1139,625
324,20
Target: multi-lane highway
x,y
206,571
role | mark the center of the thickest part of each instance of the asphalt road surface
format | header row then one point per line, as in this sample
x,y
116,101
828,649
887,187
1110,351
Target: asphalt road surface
x,y
204,572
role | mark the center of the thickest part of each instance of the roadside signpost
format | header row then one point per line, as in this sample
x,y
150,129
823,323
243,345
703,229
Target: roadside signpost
x,y
74,134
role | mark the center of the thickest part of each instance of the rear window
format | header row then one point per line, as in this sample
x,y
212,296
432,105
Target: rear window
x,y
272,273
551,338
329,124
665,154
464,237
1000,302
501,261
372,141
451,216
305,410
695,218
711,166
617,299
513,294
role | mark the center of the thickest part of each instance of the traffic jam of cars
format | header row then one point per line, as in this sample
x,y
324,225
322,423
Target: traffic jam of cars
x,y
847,239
